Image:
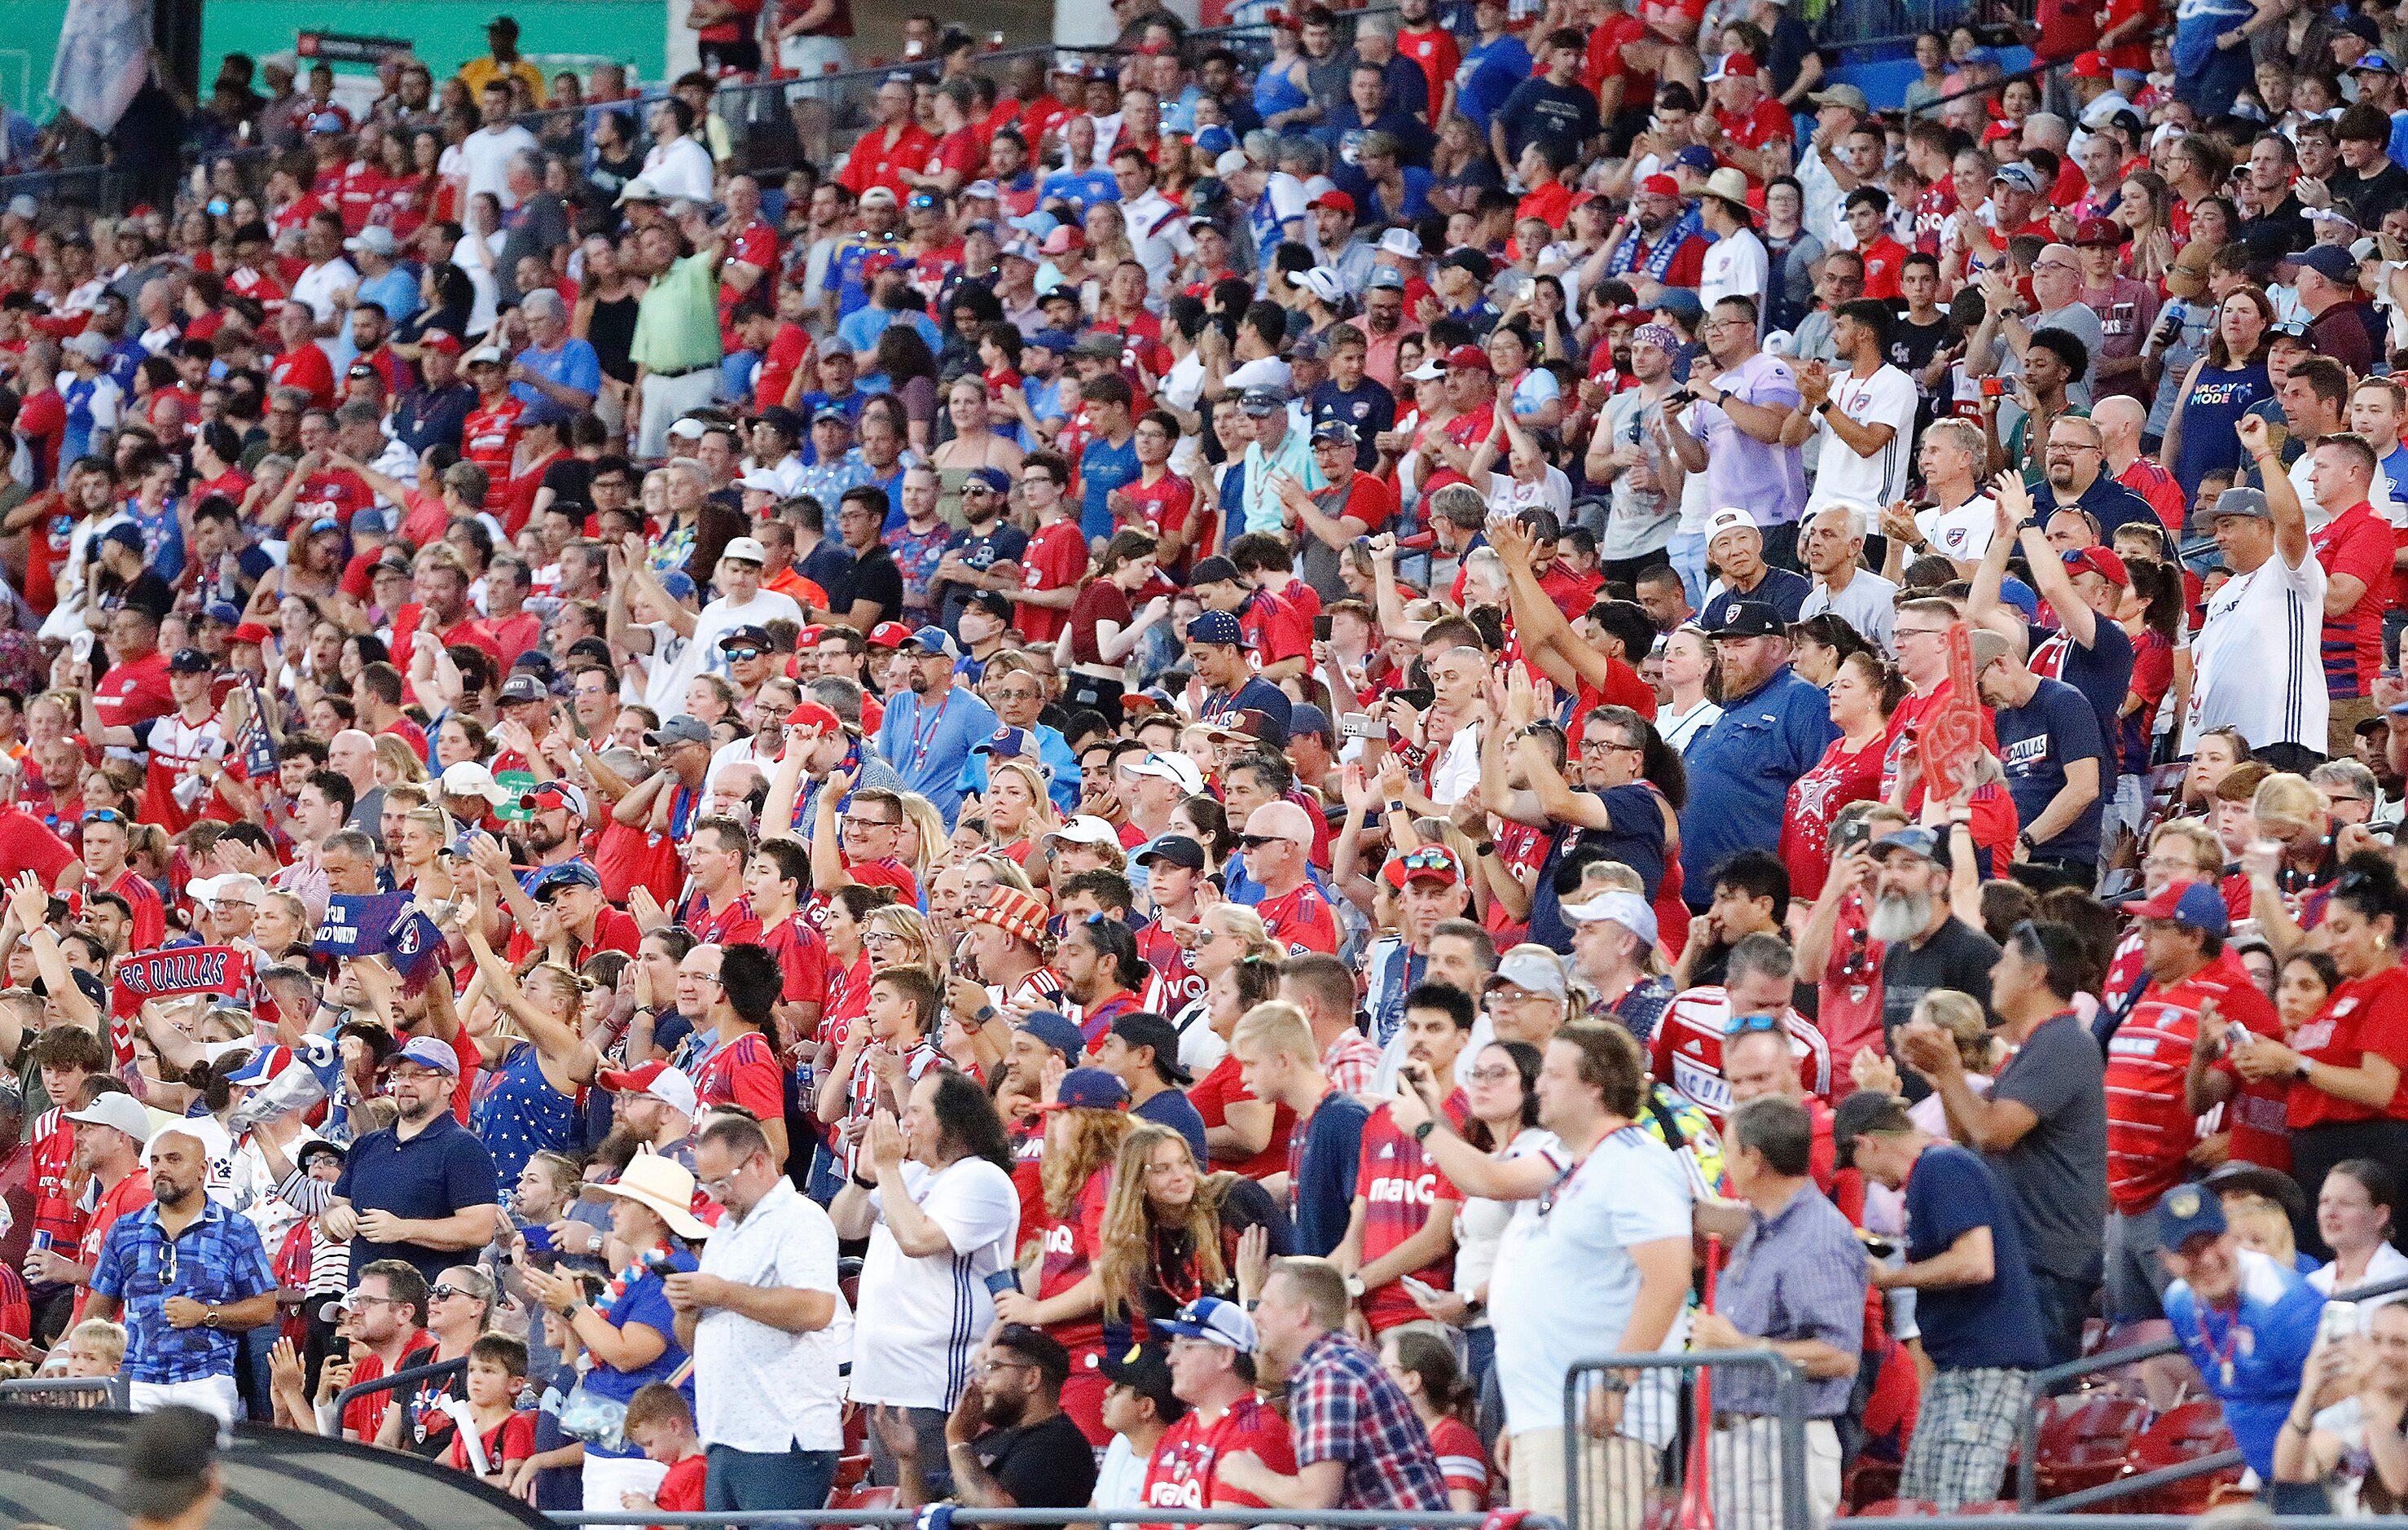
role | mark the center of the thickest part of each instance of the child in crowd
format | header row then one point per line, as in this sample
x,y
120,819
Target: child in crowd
x,y
660,1419
493,1431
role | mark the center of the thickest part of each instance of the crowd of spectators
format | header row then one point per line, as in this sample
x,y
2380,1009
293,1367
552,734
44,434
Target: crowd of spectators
x,y
910,819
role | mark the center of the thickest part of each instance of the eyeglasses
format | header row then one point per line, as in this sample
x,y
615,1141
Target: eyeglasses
x,y
1492,1075
854,823
988,1367
444,1292
1750,1025
740,654
1903,632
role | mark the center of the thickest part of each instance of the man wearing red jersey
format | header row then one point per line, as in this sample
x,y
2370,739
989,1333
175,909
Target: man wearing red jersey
x,y
1213,1345
135,690
2152,1118
1422,38
1687,1049
1403,1224
781,869
1278,842
109,1135
741,1066
716,910
108,848
895,149
1277,618
1747,126
1056,555
749,269
490,435
441,582
301,362
187,747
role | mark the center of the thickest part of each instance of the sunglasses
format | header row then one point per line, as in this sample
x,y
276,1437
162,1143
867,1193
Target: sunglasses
x,y
104,815
1257,841
1427,858
1749,1024
740,654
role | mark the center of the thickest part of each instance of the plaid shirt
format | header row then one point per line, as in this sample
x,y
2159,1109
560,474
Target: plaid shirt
x,y
1352,1062
1799,1273
215,1261
1343,1406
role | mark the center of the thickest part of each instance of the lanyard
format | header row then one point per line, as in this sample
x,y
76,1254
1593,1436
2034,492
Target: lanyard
x,y
924,735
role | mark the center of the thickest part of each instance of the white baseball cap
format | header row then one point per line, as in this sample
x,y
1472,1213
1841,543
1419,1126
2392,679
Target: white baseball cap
x,y
745,550
1087,829
1178,769
119,1109
467,779
1729,517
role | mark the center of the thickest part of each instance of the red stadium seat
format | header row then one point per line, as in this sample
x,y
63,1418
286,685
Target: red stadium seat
x,y
1870,1482
850,1472
2182,1434
2083,1440
1898,1509
1996,1506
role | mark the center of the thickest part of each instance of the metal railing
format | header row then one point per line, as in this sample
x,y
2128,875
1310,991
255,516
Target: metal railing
x,y
1673,1447
406,1377
2048,1383
108,1391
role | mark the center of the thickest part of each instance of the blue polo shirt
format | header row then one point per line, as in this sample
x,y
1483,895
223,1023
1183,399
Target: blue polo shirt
x,y
1102,468
572,365
1741,770
929,749
441,1171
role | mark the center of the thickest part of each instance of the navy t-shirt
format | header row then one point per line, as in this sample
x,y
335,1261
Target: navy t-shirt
x,y
2102,672
1368,407
1323,1150
1950,1193
2036,742
1256,695
981,550
1562,117
441,1171
1175,1110
1784,589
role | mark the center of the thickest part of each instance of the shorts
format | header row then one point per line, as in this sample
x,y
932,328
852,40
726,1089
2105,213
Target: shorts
x,y
2136,1277
1616,1475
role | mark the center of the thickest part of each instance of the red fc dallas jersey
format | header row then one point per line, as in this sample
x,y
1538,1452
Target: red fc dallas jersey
x,y
1687,1051
1185,1469
490,435
1301,920
55,1210
744,1072
1399,1185
1070,1246
1174,984
176,747
2149,1131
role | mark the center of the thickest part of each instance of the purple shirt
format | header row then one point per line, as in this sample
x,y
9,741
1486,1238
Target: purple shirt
x,y
1770,481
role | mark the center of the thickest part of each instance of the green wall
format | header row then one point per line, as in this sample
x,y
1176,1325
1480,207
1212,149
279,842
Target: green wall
x,y
445,33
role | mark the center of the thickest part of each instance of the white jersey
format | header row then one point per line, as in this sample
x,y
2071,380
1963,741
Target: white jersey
x,y
2258,658
921,1320
1963,533
1876,482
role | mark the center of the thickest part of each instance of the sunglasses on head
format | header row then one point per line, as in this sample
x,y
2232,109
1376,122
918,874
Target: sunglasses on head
x,y
1427,858
104,815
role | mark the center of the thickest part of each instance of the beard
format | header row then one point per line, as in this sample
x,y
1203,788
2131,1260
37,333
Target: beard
x,y
1898,916
1652,223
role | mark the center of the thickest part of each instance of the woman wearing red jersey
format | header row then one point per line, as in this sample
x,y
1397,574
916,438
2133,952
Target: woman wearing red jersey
x,y
1864,693
2346,1098
1424,1366
1090,1117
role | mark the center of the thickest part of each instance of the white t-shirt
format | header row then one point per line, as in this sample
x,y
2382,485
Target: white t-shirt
x,y
2386,1266
920,1319
722,617
1120,1478
1878,481
1735,267
1964,533
485,160
2258,657
319,285
1565,1284
680,168
668,669
1508,495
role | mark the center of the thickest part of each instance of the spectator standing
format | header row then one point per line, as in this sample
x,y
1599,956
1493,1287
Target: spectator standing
x,y
2044,1125
1358,1443
1732,432
1774,728
767,1327
186,1276
424,1189
1279,1063
2257,662
1796,1285
2054,759
943,1219
676,345
1964,1261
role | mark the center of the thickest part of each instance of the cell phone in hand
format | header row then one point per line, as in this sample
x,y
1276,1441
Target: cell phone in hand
x,y
1321,629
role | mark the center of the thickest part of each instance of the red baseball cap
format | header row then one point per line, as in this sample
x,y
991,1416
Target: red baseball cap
x,y
2091,66
1469,356
889,635
2101,562
1737,64
1340,200
2099,233
250,632
813,717
1660,185
442,340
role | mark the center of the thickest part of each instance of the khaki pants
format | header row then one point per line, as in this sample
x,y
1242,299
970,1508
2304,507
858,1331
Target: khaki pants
x,y
1743,1470
1615,1476
2341,732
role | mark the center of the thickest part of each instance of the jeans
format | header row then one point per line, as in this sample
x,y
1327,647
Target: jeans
x,y
793,1479
2064,1307
1687,552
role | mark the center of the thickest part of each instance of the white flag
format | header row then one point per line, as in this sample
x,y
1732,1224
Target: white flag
x,y
104,54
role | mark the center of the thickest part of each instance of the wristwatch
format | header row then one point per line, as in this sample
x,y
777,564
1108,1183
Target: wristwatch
x,y
209,1319
1422,1132
1354,1288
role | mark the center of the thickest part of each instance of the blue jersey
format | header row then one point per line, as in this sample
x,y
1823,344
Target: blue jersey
x,y
1490,73
1102,468
856,260
2252,1356
1082,188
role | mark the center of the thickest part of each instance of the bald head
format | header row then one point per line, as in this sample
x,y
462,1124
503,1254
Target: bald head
x,y
1280,820
2119,419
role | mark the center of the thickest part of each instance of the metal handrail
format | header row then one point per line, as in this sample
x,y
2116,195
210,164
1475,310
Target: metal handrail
x,y
1788,1408
398,1379
117,1390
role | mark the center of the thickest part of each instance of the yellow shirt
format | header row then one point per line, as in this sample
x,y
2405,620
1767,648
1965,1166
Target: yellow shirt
x,y
477,72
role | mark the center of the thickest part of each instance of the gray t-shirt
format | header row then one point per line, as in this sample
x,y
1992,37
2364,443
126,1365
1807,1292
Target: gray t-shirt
x,y
2059,1172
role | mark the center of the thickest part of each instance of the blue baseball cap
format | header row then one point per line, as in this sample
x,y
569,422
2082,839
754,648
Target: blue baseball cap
x,y
2188,1211
577,873
1006,744
224,612
1061,342
934,642
1056,1031
1215,140
426,1052
1089,1089
2195,906
1214,1321
1696,157
1216,627
678,583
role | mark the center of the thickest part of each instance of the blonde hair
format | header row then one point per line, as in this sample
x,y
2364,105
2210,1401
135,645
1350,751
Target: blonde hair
x,y
1042,817
1094,1138
1275,1029
394,754
2258,1223
101,1333
2286,798
1129,1219
1004,869
929,826
912,926
1246,924
1960,1015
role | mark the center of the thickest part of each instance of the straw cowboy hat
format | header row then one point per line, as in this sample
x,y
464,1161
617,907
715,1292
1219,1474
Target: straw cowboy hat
x,y
663,1187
